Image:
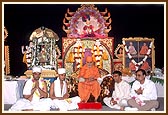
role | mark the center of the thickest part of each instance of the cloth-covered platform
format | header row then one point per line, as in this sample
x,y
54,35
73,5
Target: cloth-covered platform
x,y
90,105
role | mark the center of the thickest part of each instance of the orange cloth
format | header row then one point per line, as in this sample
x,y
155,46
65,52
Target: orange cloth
x,y
24,59
89,87
144,50
145,66
132,66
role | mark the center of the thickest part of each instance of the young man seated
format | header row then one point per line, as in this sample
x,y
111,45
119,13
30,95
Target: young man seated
x,y
59,93
34,94
120,94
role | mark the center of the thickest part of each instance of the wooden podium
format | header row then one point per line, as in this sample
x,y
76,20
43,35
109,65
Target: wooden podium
x,y
45,73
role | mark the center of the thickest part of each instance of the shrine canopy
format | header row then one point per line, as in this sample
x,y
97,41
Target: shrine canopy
x,y
43,32
43,49
87,21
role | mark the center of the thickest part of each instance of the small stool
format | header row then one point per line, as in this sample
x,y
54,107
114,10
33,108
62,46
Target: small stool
x,y
90,105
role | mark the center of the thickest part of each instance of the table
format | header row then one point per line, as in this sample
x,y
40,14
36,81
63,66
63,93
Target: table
x,y
12,90
159,82
45,73
160,89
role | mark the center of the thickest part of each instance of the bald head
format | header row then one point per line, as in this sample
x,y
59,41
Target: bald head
x,y
89,59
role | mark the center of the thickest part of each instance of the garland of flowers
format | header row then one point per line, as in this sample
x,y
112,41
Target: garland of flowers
x,y
133,60
78,50
92,12
98,52
58,51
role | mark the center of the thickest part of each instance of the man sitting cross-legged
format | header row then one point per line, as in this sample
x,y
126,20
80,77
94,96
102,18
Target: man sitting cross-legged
x,y
120,94
143,93
35,94
59,93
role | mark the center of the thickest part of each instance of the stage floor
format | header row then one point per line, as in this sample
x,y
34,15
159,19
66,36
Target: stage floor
x,y
104,108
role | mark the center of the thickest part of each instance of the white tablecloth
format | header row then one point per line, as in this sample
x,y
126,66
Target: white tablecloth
x,y
160,89
13,90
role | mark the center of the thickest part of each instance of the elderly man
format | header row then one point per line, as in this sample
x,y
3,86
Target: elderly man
x,y
143,93
88,83
35,94
59,93
120,94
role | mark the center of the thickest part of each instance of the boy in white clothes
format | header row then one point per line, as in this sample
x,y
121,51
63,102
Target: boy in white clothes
x,y
120,94
59,93
34,94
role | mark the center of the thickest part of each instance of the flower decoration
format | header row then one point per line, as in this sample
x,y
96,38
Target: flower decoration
x,y
133,60
74,22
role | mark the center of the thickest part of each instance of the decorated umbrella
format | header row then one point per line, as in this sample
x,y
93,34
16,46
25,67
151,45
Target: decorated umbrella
x,y
44,32
42,49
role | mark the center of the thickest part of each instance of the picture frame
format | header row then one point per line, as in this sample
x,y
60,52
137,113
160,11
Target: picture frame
x,y
139,53
119,51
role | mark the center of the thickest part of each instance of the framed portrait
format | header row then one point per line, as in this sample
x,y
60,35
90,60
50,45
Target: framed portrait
x,y
138,53
119,51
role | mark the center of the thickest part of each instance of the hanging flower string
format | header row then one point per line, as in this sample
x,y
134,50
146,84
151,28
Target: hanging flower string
x,y
133,60
78,53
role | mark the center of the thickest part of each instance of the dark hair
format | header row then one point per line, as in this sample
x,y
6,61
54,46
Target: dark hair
x,y
84,17
117,72
143,71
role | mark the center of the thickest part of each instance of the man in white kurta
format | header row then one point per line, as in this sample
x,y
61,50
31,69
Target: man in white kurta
x,y
59,94
120,94
143,93
35,94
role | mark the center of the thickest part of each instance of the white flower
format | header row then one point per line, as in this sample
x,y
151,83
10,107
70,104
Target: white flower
x,y
80,50
144,59
129,55
126,49
76,55
80,55
95,52
95,47
133,61
141,62
75,49
136,67
149,50
101,48
101,53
